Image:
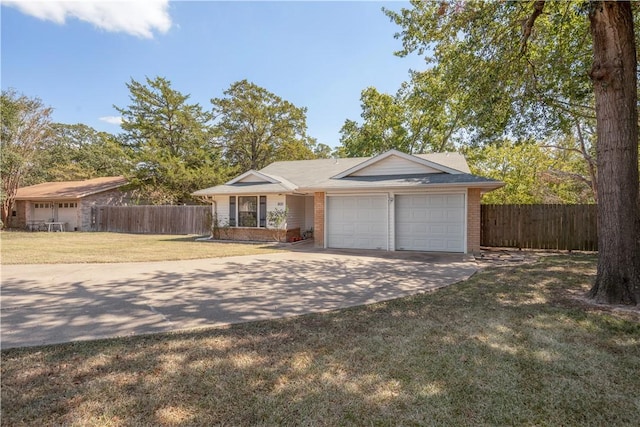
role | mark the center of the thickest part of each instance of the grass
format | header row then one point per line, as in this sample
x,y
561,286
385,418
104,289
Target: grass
x,y
511,346
56,248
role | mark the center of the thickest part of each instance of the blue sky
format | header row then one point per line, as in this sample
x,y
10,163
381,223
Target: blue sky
x,y
318,55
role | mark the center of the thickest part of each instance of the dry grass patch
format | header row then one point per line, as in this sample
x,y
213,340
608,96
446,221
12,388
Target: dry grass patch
x,y
511,346
76,247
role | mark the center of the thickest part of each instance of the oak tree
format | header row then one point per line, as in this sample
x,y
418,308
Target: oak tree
x,y
256,127
421,117
77,152
532,173
539,69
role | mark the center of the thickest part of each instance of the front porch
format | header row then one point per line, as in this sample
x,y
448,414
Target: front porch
x,y
233,213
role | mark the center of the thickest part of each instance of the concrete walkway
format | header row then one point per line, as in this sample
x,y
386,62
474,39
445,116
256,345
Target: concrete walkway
x,y
46,304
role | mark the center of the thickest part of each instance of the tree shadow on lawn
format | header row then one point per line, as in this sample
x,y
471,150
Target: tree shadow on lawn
x,y
506,347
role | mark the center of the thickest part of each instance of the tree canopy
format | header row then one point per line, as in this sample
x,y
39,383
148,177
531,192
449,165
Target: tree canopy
x,y
506,86
172,143
532,173
256,127
26,123
423,116
77,152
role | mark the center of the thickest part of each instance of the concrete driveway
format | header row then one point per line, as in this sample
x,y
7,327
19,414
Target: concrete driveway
x,y
47,304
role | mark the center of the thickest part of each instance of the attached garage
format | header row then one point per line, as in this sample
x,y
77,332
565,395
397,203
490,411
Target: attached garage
x,y
67,203
430,222
423,222
391,201
357,222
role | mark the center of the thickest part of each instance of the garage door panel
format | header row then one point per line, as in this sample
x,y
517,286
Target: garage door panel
x,y
419,229
455,230
437,230
429,222
455,201
358,222
436,200
419,202
436,215
418,215
405,216
347,228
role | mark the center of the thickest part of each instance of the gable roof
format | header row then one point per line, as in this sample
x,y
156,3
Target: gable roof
x,y
424,164
355,172
252,176
69,189
306,173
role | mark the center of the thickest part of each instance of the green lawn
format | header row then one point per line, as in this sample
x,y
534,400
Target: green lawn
x,y
511,346
56,248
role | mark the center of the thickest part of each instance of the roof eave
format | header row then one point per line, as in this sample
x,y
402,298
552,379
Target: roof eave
x,y
200,193
489,186
48,198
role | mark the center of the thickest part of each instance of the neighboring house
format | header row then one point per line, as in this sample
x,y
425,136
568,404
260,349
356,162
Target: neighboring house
x,y
68,202
393,201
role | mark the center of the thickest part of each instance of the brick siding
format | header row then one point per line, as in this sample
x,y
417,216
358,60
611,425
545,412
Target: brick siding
x,y
318,219
249,234
111,197
473,220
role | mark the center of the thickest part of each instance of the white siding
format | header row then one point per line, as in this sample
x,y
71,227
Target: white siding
x,y
222,210
296,215
276,201
308,212
394,165
252,178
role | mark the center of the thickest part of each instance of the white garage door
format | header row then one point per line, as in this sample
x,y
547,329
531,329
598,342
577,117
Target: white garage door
x,y
430,222
357,222
68,213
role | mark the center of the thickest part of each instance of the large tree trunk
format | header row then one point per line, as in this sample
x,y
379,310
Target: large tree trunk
x,y
614,79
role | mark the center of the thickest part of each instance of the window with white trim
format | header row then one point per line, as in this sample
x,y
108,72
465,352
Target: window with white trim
x,y
248,211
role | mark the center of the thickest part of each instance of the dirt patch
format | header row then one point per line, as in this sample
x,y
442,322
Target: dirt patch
x,y
496,257
629,312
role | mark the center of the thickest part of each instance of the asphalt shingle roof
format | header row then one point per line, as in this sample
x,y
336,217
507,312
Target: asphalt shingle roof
x,y
69,189
310,175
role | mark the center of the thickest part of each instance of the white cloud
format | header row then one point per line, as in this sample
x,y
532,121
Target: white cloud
x,y
140,18
114,120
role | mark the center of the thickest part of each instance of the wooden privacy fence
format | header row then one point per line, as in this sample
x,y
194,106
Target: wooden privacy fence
x,y
152,219
562,227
